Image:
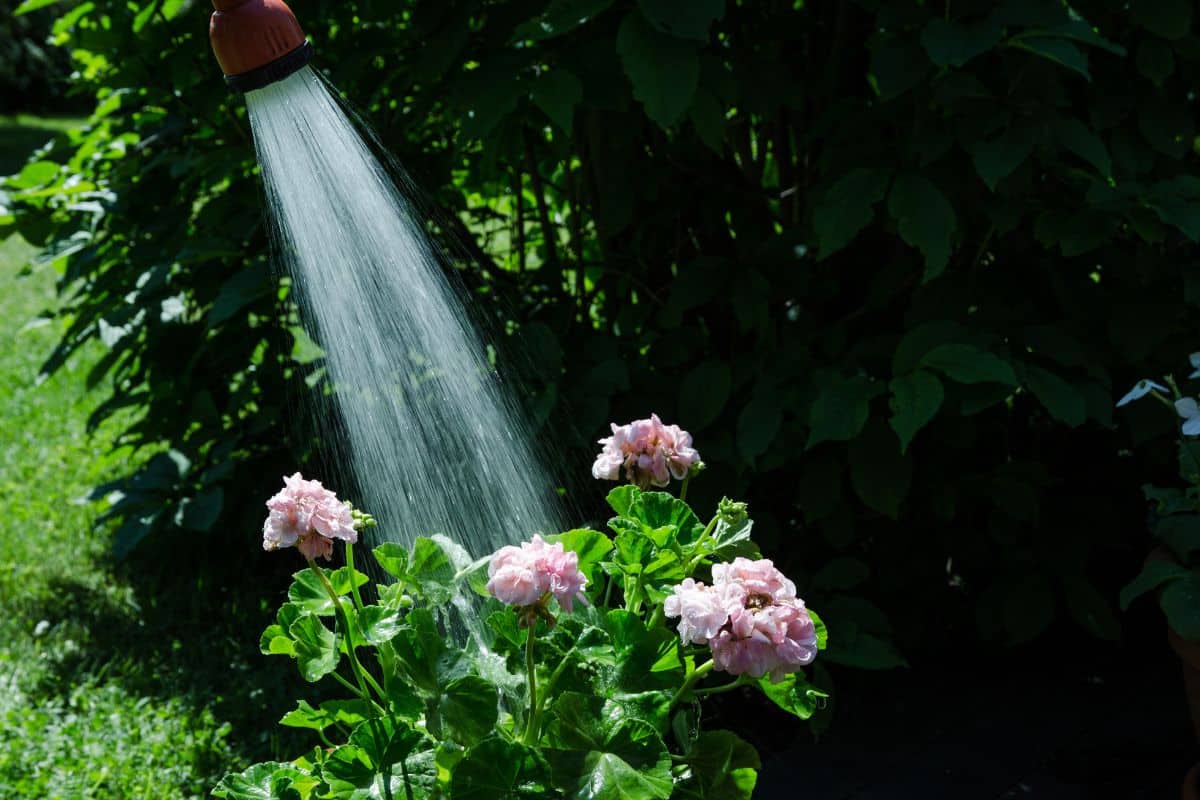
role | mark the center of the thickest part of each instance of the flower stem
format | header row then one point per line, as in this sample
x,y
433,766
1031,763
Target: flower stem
x,y
344,623
684,487
656,617
691,680
700,554
358,603
548,688
531,724
729,687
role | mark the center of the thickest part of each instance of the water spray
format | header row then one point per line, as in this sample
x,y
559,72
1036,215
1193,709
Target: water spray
x,y
257,42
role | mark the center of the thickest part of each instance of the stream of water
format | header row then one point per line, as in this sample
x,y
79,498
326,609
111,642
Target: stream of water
x,y
431,432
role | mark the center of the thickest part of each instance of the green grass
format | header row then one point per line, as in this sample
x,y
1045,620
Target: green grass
x,y
109,687
20,134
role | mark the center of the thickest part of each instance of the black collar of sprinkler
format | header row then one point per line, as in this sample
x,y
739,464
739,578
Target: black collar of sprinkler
x,y
273,72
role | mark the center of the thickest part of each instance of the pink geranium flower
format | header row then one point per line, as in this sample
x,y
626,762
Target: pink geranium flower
x,y
750,618
307,516
650,452
523,576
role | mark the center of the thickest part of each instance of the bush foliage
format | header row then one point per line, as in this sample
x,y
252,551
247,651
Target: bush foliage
x,y
887,258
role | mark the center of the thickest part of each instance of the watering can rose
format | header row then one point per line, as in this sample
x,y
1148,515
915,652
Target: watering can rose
x,y
750,618
650,452
309,517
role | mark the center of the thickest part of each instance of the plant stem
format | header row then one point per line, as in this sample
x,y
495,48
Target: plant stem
x,y
656,617
344,682
691,680
344,623
358,603
684,487
554,676
531,674
696,559
729,687
633,599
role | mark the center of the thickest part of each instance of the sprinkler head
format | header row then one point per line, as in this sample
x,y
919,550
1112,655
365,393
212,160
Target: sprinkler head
x,y
257,42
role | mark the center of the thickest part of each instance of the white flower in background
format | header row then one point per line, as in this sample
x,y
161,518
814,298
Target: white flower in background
x,y
1140,390
1195,359
1189,409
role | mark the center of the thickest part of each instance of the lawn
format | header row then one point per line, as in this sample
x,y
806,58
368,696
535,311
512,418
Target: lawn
x,y
110,686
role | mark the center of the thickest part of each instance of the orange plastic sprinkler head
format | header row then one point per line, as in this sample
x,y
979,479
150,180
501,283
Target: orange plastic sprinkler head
x,y
257,42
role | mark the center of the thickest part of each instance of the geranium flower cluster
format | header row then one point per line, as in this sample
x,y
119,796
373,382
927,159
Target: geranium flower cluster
x,y
750,618
651,453
308,516
523,576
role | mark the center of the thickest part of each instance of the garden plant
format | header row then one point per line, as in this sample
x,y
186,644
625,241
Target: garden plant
x,y
568,680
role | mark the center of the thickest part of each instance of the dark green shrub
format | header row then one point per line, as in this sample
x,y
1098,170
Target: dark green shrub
x,y
888,258
33,73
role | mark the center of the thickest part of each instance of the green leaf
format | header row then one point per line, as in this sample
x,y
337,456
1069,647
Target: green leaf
x,y
469,709
703,394
34,174
708,116
384,742
432,571
968,364
898,63
345,712
1064,402
270,780
562,16
1155,60
723,767
840,410
996,159
245,287
1168,127
880,473
664,70
393,558
29,6
1083,142
952,44
841,574
622,498
1089,608
863,650
486,96
201,512
597,759
276,639
821,630
1028,608
1180,601
758,424
316,647
498,770
794,694
848,207
925,219
1060,51
1170,19
916,398
1180,533
308,593
688,19
377,624
145,15
422,656
591,547
557,92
